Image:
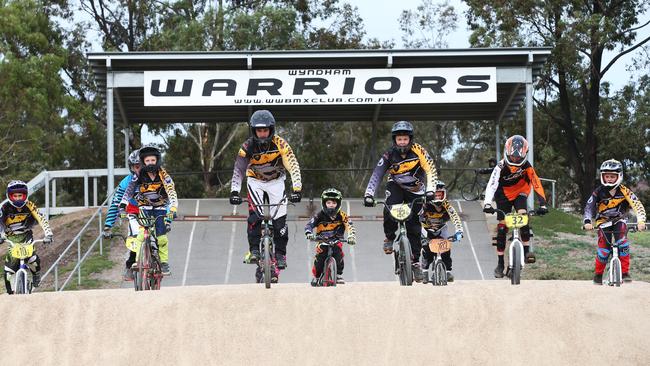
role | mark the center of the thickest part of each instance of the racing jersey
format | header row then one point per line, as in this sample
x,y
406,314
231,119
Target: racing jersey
x,y
113,210
434,220
266,162
17,221
413,171
607,207
327,227
158,192
512,181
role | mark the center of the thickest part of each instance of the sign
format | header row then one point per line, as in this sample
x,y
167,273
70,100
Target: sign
x,y
320,86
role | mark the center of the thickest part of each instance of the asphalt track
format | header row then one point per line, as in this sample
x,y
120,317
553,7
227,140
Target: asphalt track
x,y
208,243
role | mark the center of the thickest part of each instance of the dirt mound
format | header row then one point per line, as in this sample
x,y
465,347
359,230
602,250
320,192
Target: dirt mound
x,y
487,322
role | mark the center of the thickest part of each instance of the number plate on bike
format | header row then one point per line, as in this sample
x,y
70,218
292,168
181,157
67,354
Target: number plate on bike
x,y
400,212
22,251
516,220
439,246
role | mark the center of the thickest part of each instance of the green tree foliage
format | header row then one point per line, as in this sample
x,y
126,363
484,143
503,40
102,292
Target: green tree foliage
x,y
572,93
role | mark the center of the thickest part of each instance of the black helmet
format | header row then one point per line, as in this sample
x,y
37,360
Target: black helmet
x,y
332,194
611,166
262,119
17,186
402,128
150,151
440,187
134,159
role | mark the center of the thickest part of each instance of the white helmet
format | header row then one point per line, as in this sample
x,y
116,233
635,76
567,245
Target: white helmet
x,y
611,166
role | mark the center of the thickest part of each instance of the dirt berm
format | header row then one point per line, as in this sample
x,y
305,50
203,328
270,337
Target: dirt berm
x,y
489,322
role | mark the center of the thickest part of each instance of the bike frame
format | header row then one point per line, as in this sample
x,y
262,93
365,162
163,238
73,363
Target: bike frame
x,y
267,262
330,243
516,244
146,255
614,268
435,263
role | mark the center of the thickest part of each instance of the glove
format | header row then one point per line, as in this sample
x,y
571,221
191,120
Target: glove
x,y
48,239
235,199
458,235
368,201
295,197
309,235
122,208
352,240
170,216
542,210
168,226
488,209
430,195
107,233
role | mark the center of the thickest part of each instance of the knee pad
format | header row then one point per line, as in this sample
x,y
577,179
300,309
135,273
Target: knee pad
x,y
525,233
502,231
603,254
280,227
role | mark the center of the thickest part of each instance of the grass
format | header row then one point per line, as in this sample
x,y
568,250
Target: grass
x,y
557,221
95,263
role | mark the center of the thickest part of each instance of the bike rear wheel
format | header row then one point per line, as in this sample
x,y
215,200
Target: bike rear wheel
x,y
515,276
616,272
267,264
329,273
439,273
470,191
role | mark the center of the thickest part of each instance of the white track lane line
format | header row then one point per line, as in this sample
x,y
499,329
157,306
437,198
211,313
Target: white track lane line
x,y
231,247
352,254
189,246
469,237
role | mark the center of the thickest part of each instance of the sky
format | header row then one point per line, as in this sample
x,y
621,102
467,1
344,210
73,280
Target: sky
x,y
381,21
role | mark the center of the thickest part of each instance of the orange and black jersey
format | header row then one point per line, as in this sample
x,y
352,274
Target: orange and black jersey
x,y
327,227
157,192
17,221
512,181
607,207
266,162
414,171
434,220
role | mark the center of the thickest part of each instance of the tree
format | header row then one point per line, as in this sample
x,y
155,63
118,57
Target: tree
x,y
580,32
429,25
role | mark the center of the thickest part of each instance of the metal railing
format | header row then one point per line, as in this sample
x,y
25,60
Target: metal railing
x,y
80,258
553,181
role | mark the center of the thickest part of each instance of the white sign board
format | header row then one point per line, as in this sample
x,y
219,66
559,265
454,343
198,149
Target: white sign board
x,y
320,86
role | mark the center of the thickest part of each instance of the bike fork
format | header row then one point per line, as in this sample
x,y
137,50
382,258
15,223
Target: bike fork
x,y
511,250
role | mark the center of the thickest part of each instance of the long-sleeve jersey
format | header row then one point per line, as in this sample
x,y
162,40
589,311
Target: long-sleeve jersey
x,y
17,221
413,171
266,162
158,192
511,181
434,220
113,210
328,227
607,207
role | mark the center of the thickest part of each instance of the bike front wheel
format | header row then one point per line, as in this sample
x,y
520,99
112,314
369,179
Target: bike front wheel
x,y
405,262
616,277
515,275
329,273
21,283
439,274
267,264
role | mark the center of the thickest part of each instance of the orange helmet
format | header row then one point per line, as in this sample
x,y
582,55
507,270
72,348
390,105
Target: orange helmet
x,y
516,150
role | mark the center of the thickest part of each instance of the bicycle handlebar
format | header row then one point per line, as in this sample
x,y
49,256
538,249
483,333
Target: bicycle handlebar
x,y
328,241
529,213
410,204
32,242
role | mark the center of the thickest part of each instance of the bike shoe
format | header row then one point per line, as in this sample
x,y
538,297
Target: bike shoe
x,y
598,279
498,272
530,257
36,279
164,268
282,261
388,246
425,276
417,272
314,282
626,277
128,274
252,257
339,279
450,277
274,278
